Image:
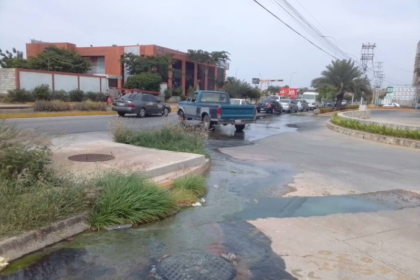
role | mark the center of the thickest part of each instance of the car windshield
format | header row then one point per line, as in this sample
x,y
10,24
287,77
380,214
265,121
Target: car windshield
x,y
214,97
129,96
235,101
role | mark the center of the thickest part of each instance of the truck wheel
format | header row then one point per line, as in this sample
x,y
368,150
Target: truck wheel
x,y
239,127
181,116
121,114
206,122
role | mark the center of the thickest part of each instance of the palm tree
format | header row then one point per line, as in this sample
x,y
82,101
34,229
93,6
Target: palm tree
x,y
344,76
237,88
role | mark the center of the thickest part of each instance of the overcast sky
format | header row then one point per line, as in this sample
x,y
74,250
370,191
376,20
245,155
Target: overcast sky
x,y
260,45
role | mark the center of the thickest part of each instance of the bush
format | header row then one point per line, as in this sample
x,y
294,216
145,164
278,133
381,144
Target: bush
x,y
89,105
177,92
325,109
168,94
76,95
351,107
173,137
189,189
51,106
375,128
42,92
129,199
95,96
60,95
20,95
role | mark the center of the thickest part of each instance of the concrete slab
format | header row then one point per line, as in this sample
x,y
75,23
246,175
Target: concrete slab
x,y
379,245
150,162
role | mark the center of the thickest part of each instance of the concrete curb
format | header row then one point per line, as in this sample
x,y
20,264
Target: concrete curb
x,y
403,142
55,114
15,247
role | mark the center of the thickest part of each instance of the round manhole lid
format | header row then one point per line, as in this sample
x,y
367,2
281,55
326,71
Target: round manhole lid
x,y
91,157
195,265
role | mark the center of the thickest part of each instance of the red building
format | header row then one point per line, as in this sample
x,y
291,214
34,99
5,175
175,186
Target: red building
x,y
106,61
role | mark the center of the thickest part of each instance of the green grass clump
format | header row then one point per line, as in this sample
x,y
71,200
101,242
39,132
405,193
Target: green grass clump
x,y
129,199
174,137
194,183
375,128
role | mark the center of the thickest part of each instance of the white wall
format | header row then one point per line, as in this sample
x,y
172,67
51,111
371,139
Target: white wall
x,y
30,80
7,80
104,83
65,82
90,84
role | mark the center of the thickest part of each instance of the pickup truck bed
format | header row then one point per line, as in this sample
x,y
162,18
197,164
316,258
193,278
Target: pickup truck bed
x,y
213,107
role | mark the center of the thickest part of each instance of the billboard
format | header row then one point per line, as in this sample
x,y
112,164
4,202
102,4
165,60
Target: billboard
x,y
288,92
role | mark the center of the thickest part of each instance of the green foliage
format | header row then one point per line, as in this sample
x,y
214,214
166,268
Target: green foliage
x,y
168,93
323,110
129,199
194,183
58,59
158,65
190,91
41,92
12,59
208,58
240,89
60,95
76,95
20,95
342,76
51,106
95,96
375,128
145,81
169,137
327,92
273,90
177,92
89,105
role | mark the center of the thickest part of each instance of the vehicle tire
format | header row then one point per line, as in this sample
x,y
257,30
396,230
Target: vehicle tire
x,y
121,114
258,111
141,113
181,116
165,112
281,111
239,127
206,122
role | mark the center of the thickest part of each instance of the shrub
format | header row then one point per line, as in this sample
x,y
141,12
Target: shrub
x,y
375,128
129,199
95,96
42,92
351,107
145,81
52,106
183,97
89,105
177,92
20,95
325,109
172,137
60,95
168,94
76,95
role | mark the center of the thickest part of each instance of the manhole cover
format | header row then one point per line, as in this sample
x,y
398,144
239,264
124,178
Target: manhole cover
x,y
91,157
292,125
195,265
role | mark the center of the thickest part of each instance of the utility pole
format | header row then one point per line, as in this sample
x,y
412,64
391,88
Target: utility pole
x,y
264,82
366,60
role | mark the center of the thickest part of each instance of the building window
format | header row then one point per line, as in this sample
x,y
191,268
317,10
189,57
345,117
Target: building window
x,y
177,74
189,75
211,76
201,76
98,65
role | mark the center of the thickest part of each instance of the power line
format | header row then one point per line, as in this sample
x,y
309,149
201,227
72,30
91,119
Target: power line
x,y
293,29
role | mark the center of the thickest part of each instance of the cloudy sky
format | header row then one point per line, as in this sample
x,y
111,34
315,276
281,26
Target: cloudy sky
x,y
260,45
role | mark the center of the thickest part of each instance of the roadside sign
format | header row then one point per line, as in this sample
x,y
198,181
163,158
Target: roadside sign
x,y
255,81
288,92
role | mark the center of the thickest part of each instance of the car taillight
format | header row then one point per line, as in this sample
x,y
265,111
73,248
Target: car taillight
x,y
269,105
219,113
131,105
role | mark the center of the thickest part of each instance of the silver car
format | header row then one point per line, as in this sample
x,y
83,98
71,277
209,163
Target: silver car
x,y
289,105
141,105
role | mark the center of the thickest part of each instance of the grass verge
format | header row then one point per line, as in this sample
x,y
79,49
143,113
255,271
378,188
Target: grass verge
x,y
171,137
189,189
375,128
55,114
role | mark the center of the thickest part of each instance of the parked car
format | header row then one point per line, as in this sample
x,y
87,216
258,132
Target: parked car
x,y
214,107
141,105
418,106
392,105
236,101
302,105
289,105
269,106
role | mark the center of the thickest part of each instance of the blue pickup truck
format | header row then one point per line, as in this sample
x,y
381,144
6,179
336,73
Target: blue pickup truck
x,y
214,107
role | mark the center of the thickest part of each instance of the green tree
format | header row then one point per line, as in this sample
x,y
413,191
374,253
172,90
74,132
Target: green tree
x,y
145,81
326,93
61,60
12,59
417,65
237,88
273,90
254,93
341,75
155,64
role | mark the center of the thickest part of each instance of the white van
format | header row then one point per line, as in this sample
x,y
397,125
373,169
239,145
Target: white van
x,y
310,97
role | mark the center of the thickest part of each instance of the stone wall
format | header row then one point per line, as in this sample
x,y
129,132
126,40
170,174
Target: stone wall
x,y
7,80
365,114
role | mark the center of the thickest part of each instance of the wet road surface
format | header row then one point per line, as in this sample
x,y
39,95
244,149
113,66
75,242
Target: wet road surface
x,y
237,191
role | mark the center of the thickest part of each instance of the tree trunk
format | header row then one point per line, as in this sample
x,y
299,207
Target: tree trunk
x,y
339,101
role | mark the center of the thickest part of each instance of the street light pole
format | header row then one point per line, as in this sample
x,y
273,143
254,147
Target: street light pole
x,y
290,80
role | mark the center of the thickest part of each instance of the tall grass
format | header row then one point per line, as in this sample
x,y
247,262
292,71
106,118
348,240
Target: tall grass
x,y
57,106
129,199
189,189
171,137
375,128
